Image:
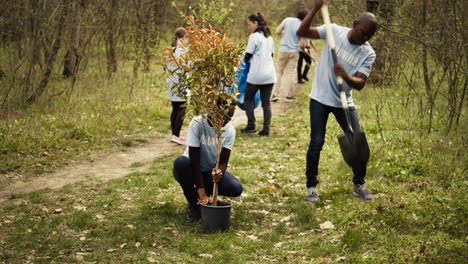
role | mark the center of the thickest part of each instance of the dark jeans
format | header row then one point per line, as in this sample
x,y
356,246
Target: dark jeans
x,y
303,56
228,186
177,117
318,123
265,93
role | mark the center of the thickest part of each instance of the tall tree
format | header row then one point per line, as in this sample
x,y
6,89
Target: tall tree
x,y
72,56
50,59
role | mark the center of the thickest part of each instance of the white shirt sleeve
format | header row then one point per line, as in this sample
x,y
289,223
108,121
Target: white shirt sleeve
x,y
366,66
322,32
251,44
230,136
283,23
193,134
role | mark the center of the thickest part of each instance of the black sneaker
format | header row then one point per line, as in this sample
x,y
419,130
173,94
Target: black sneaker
x,y
193,213
247,130
361,192
305,78
264,133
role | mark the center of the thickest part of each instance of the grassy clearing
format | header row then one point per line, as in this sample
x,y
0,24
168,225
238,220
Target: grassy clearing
x,y
102,114
419,215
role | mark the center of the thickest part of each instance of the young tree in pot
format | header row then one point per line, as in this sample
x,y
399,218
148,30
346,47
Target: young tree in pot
x,y
207,67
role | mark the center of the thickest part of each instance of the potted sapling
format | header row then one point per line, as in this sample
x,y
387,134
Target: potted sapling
x,y
207,67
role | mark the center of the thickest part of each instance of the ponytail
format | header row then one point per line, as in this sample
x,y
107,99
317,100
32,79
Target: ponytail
x,y
262,24
179,33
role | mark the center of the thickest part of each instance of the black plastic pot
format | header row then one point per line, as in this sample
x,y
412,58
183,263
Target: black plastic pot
x,y
216,218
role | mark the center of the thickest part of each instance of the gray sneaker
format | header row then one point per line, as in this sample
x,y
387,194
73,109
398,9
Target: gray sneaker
x,y
361,192
312,195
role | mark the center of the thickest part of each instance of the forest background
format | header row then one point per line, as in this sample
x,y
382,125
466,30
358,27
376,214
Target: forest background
x,y
80,76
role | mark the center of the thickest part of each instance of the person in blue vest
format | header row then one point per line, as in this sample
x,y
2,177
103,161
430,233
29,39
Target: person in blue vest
x,y
355,58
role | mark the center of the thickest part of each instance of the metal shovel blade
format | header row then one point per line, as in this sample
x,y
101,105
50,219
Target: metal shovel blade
x,y
354,148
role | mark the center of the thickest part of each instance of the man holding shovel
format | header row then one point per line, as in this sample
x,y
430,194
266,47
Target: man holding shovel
x,y
354,58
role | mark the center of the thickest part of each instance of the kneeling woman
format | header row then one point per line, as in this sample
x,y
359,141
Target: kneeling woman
x,y
195,170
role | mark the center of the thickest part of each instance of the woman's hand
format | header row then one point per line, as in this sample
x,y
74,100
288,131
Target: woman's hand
x,y
202,197
217,175
205,200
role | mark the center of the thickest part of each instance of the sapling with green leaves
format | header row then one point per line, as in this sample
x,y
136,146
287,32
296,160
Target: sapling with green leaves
x,y
207,67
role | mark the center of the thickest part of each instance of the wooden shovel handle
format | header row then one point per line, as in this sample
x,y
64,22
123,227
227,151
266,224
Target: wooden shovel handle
x,y
331,44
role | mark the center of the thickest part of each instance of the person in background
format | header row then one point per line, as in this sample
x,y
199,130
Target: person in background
x,y
288,56
261,76
195,170
178,103
304,55
355,58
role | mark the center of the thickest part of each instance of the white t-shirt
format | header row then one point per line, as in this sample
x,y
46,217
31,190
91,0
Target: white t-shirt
x,y
262,67
353,58
290,40
201,134
174,78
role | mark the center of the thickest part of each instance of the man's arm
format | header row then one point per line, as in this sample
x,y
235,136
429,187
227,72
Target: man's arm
x,y
279,29
304,29
356,82
303,44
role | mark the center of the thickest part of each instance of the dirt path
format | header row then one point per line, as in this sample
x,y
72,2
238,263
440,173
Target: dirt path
x,y
113,165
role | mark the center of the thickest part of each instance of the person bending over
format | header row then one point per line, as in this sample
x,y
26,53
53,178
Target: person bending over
x,y
355,58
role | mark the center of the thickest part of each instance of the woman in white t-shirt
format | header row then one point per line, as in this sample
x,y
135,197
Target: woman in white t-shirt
x,y
178,103
262,74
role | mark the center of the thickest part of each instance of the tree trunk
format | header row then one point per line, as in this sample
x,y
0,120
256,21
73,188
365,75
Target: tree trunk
x,y
110,39
52,56
72,56
427,79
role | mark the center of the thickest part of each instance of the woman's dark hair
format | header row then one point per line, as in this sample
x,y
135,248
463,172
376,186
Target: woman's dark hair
x,y
179,33
262,24
301,14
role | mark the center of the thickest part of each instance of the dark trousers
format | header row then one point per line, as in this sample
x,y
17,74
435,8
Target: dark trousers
x,y
303,56
228,186
265,94
318,123
177,117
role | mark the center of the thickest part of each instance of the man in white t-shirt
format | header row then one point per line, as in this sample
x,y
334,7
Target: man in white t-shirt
x,y
355,57
195,170
288,56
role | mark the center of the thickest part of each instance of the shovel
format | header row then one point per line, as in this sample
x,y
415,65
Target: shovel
x,y
353,144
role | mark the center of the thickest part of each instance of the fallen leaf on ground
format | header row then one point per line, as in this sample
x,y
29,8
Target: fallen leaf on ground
x,y
99,216
204,255
253,237
152,260
341,259
327,225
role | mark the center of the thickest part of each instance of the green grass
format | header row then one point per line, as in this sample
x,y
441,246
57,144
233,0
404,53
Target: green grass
x,y
419,215
100,115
